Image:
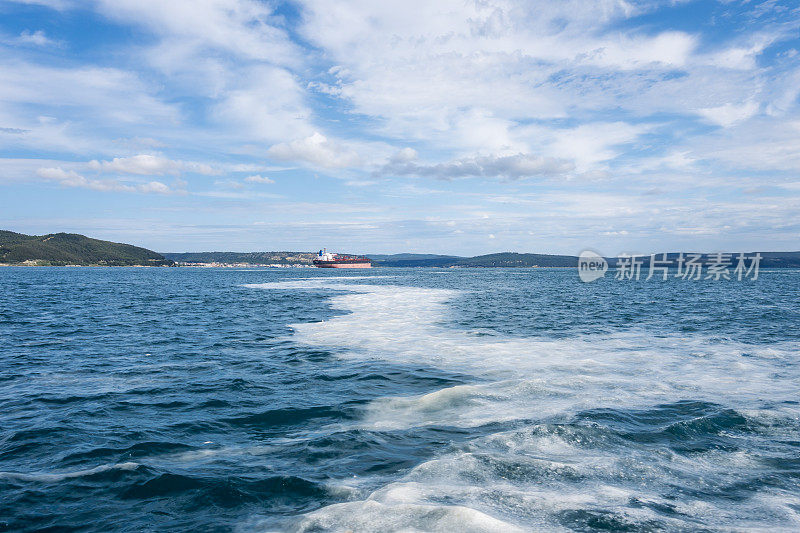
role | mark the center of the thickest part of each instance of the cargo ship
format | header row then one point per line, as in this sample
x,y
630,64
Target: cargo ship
x,y
326,259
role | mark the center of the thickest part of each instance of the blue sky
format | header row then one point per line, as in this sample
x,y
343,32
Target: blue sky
x,y
443,127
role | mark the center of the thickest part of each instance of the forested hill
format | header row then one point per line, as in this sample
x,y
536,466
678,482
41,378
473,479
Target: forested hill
x,y
73,249
504,259
512,259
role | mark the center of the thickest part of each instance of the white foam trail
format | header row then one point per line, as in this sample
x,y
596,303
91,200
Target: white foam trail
x,y
541,380
534,377
373,516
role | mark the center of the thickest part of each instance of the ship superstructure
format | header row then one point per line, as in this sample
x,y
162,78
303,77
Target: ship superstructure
x,y
326,259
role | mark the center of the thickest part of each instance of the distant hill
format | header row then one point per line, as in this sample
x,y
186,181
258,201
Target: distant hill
x,y
768,259
504,259
410,257
513,259
780,259
414,260
249,258
73,249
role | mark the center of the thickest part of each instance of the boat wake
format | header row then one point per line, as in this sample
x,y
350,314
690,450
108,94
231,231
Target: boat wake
x,y
629,430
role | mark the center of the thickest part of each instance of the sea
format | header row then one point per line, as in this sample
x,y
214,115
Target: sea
x,y
444,400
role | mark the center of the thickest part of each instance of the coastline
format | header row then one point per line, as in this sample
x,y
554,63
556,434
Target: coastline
x,y
29,265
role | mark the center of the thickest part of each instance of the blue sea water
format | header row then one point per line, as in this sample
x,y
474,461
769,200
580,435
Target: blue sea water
x,y
464,400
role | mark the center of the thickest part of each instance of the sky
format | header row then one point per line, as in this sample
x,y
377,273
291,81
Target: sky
x,y
454,127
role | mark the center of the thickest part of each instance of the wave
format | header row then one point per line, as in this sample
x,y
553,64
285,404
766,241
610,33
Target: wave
x,y
625,430
372,516
287,416
55,477
410,325
571,477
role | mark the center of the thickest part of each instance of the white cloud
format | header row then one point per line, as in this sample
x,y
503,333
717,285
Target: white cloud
x,y
667,49
681,161
592,143
54,4
154,187
404,155
72,110
743,54
99,93
36,38
316,150
482,77
245,28
139,143
59,174
138,164
269,106
150,165
729,114
251,167
760,145
510,167
228,184
434,62
236,53
70,178
258,179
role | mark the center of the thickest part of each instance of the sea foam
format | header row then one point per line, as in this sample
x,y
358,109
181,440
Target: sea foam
x,y
569,463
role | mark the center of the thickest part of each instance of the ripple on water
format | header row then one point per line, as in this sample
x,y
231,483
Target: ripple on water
x,y
480,400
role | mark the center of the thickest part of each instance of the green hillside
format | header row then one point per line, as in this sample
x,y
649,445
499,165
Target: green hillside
x,y
504,259
73,249
513,259
393,258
